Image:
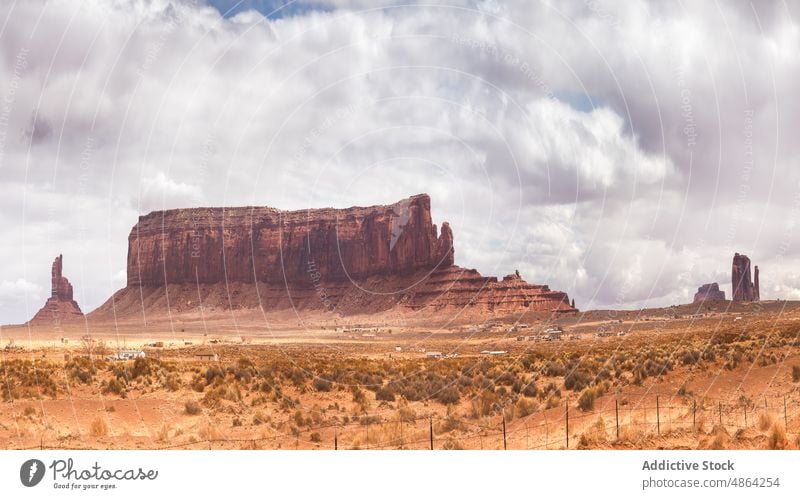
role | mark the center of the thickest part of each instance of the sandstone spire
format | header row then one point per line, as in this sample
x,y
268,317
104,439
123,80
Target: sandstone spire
x,y
61,305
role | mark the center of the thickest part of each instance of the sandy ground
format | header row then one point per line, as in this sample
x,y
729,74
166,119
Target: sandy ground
x,y
754,404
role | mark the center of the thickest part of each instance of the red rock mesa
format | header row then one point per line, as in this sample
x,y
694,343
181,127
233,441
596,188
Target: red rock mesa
x,y
353,261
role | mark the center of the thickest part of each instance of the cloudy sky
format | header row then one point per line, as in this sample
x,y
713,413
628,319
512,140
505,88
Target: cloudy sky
x,y
619,152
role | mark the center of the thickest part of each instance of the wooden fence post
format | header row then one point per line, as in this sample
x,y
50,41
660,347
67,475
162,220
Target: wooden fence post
x,y
504,430
785,419
616,410
527,441
720,413
694,415
566,405
658,416
335,439
431,426
745,415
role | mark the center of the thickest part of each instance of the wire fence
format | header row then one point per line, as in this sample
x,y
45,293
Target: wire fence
x,y
612,423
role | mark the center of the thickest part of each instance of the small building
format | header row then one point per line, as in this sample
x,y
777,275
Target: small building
x,y
207,356
126,354
434,355
493,352
553,333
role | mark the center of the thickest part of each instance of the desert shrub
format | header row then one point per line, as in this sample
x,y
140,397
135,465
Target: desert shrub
x,y
452,443
506,378
577,380
298,376
370,420
258,418
449,395
525,407
587,399
765,421
322,385
708,355
553,400
777,437
690,357
530,389
795,373
213,373
385,394
98,427
115,386
316,437
172,382
141,367
554,369
81,369
27,379
484,404
192,408
358,395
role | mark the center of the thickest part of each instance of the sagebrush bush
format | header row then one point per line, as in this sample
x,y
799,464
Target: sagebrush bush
x,y
192,408
322,385
587,399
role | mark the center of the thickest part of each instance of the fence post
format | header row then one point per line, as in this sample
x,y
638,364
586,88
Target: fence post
x,y
745,415
785,419
658,416
546,433
431,426
616,410
720,413
335,439
694,415
504,430
567,421
527,442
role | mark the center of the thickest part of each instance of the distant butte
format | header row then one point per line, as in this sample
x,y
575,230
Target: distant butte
x,y
359,260
709,292
60,306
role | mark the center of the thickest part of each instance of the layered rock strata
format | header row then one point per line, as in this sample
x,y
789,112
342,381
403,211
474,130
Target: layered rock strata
x,y
356,260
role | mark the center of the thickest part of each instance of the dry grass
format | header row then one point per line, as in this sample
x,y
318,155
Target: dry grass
x,y
98,428
777,437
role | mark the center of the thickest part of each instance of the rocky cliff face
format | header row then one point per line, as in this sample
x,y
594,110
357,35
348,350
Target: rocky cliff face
x,y
218,245
743,287
61,305
351,261
709,292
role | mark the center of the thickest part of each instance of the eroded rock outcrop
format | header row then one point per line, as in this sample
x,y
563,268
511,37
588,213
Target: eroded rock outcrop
x,y
357,260
744,289
61,305
709,292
